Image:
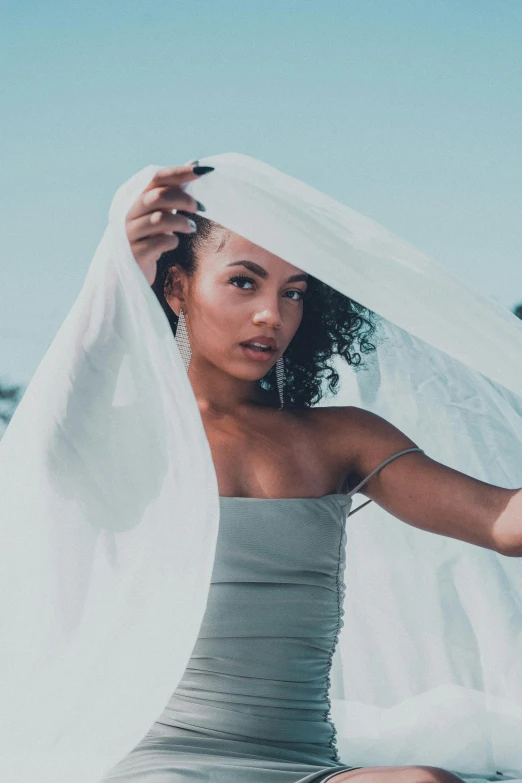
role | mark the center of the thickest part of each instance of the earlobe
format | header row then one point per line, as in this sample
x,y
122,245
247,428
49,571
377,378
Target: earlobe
x,y
173,302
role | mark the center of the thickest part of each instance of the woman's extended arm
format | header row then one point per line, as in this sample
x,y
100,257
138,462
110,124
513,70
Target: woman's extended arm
x,y
425,493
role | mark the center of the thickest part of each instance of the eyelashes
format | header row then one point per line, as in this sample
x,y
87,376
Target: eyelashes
x,y
244,278
241,278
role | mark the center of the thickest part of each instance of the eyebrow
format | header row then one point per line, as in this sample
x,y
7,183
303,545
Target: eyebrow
x,y
258,270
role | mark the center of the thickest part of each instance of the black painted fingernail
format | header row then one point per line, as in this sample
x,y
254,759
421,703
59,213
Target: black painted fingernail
x,y
202,169
201,207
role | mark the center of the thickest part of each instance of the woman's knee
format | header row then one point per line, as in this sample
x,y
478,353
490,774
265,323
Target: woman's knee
x,y
440,775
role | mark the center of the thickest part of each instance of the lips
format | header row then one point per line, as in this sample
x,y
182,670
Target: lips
x,y
260,342
259,348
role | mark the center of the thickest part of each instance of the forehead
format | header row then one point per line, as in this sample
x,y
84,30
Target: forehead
x,y
226,246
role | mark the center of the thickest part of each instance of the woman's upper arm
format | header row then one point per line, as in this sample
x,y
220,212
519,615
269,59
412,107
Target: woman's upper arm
x,y
421,491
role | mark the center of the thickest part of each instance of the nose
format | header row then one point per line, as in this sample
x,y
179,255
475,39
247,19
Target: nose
x,y
269,316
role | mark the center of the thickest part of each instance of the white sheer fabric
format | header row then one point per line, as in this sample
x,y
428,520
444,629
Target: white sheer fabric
x,y
110,513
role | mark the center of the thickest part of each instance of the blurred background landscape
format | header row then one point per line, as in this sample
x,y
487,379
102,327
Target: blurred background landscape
x,y
406,111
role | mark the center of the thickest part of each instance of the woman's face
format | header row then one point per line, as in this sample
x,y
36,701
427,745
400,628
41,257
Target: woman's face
x,y
240,293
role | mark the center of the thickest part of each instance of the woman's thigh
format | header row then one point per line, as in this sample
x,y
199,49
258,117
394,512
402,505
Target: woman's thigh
x,y
396,775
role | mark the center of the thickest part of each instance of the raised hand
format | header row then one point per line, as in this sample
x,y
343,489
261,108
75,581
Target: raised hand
x,y
151,227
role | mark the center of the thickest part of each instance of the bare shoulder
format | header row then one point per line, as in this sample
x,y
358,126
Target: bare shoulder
x,y
343,420
357,438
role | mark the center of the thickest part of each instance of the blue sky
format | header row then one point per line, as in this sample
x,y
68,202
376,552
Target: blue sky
x,y
408,111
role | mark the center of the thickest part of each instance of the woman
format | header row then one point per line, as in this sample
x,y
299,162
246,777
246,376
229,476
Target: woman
x,y
241,309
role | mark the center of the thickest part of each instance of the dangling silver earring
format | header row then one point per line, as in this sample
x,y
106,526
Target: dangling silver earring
x,y
280,377
182,340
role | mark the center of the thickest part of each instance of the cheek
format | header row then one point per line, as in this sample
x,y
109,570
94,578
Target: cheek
x,y
295,322
216,321
295,316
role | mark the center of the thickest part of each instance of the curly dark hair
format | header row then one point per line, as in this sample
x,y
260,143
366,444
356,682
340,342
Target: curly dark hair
x,y
331,324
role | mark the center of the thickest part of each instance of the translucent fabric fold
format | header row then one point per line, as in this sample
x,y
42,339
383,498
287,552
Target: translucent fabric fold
x,y
110,512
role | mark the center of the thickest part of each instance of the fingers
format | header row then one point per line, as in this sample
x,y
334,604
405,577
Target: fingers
x,y
150,222
157,222
166,198
177,175
164,190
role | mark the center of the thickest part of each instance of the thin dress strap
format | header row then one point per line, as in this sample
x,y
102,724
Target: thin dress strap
x,y
386,461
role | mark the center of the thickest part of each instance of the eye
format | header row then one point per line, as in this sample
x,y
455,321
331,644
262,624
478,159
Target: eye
x,y
243,279
302,295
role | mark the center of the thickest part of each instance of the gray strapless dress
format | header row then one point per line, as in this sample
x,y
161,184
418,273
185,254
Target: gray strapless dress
x,y
253,703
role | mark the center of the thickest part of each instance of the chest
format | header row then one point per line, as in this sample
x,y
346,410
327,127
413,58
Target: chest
x,y
260,461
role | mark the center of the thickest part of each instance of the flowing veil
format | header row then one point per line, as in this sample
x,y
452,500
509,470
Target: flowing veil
x,y
110,512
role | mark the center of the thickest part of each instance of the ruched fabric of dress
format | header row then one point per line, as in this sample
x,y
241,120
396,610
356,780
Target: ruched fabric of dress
x,y
253,705
110,510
